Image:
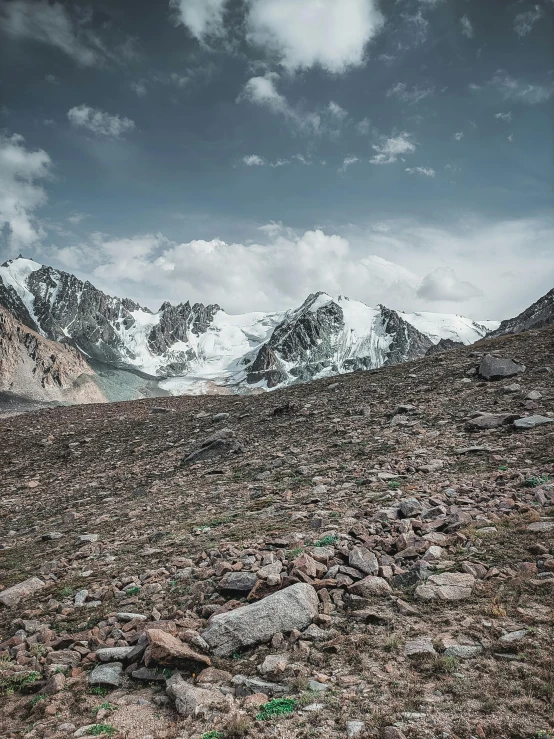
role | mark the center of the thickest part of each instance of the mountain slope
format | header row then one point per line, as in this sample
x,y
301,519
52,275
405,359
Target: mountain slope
x,y
201,348
537,315
35,368
425,544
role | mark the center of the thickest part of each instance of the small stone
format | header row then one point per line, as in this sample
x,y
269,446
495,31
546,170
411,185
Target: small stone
x,y
530,422
417,647
513,636
239,581
54,684
446,586
88,538
354,729
12,596
410,507
317,687
123,616
371,586
169,651
538,526
108,674
113,654
364,560
193,701
391,732
462,651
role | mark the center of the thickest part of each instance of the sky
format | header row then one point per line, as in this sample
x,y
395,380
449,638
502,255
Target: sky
x,y
251,152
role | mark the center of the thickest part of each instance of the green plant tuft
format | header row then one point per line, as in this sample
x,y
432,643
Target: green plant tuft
x,y
327,541
99,729
276,707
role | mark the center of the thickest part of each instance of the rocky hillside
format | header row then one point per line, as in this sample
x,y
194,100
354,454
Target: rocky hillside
x,y
197,349
363,556
38,369
537,315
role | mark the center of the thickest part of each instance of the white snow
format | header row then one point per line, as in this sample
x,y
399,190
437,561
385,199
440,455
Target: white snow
x,y
15,274
218,359
439,326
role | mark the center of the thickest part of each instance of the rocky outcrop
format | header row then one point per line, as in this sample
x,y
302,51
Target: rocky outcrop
x,y
36,368
537,315
443,345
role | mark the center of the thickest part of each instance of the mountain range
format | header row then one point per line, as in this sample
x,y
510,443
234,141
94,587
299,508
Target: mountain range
x,y
132,352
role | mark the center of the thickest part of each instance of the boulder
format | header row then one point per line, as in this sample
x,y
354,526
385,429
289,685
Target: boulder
x,y
496,368
288,609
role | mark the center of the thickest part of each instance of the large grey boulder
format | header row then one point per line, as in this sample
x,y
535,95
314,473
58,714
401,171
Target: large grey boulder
x,y
107,674
291,608
446,586
497,368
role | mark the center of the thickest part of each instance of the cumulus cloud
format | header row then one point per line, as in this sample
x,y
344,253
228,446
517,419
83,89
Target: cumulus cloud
x,y
363,127
99,122
524,22
409,95
203,18
507,265
390,149
336,111
458,136
299,34
510,88
63,26
503,116
443,285
77,217
21,194
467,27
424,171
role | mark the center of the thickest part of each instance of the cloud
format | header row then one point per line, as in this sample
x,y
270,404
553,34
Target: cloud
x,y
419,27
203,18
253,160
507,265
336,111
65,27
77,217
139,88
524,22
458,136
99,122
443,285
348,162
299,34
467,28
425,171
20,192
263,91
389,149
411,96
504,116
363,127
517,90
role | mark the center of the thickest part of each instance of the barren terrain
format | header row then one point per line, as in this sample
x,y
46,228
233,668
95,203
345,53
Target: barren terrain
x,y
427,537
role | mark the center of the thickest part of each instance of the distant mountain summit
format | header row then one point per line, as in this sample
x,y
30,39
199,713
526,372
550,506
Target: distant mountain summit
x,y
201,348
537,315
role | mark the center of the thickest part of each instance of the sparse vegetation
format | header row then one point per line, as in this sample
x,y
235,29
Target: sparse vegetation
x,y
276,707
100,729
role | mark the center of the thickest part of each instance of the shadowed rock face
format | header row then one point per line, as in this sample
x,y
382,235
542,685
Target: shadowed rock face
x,y
443,345
537,315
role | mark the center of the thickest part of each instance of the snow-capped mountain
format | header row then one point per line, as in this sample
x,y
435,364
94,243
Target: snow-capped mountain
x,y
199,348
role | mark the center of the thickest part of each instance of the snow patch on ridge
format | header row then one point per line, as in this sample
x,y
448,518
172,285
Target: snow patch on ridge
x,y
15,274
